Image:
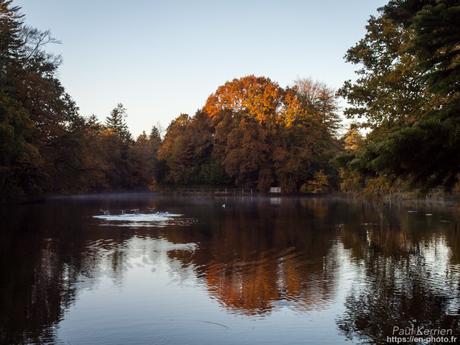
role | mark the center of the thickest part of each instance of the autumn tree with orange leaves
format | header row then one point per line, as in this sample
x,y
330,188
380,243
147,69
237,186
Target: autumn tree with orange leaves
x,y
256,134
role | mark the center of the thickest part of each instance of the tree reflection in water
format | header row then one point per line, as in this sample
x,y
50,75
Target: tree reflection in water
x,y
409,276
257,255
254,256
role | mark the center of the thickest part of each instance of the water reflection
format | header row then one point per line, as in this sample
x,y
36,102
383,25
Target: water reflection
x,y
254,256
409,276
362,268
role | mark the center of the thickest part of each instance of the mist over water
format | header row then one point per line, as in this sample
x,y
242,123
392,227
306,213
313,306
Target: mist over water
x,y
151,269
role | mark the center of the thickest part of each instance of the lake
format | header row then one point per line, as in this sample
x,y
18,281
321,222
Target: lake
x,y
155,269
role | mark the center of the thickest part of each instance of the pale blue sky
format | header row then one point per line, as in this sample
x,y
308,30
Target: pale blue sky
x,y
163,58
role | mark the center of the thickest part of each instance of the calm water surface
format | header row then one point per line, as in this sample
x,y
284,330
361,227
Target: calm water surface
x,y
149,269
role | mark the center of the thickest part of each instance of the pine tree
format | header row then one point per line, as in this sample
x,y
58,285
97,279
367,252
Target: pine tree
x,y
11,27
155,138
116,122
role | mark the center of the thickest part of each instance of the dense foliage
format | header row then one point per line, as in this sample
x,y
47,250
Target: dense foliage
x,y
408,93
251,132
45,145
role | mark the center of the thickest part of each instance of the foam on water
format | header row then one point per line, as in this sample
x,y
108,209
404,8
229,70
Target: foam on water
x,y
138,217
157,219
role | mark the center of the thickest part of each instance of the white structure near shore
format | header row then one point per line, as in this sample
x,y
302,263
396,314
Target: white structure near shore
x,y
275,190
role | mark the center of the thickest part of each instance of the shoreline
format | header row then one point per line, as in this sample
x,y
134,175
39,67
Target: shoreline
x,y
385,199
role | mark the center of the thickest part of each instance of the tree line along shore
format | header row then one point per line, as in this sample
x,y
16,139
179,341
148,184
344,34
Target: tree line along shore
x,y
403,132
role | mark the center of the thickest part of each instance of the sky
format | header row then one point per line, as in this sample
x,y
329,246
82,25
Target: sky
x,y
164,58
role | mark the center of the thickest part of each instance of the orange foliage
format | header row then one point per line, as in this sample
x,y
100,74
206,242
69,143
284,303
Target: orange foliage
x,y
258,96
